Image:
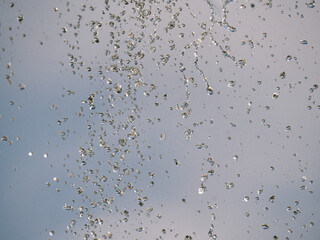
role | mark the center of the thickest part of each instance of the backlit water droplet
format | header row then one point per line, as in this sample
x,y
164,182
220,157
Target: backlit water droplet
x,y
22,86
117,88
20,18
209,90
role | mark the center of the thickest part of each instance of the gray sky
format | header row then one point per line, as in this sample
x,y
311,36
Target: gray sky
x,y
260,125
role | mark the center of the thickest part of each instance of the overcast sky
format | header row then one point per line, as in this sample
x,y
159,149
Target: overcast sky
x,y
215,127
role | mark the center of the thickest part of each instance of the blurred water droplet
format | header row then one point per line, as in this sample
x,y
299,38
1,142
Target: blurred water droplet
x,y
117,88
231,84
4,138
272,198
22,86
20,18
229,185
56,179
202,190
283,75
275,96
162,137
68,208
246,199
209,90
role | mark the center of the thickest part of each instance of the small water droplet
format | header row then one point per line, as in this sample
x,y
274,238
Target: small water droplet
x,y
209,90
20,18
272,198
229,185
202,190
265,226
22,86
162,137
117,88
246,199
275,96
231,84
283,75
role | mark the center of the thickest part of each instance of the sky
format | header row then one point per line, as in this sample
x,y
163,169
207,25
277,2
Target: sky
x,y
159,120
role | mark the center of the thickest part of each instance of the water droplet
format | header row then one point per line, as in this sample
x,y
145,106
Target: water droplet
x,y
246,199
231,84
117,88
4,138
20,18
304,42
68,208
199,146
45,155
272,198
265,226
209,90
30,154
229,185
56,179
275,96
51,233
202,190
241,63
22,86
162,137
176,162
283,75
116,168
